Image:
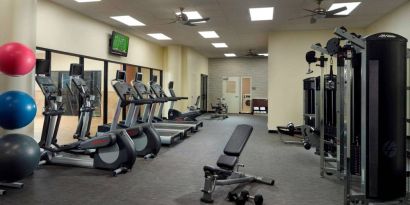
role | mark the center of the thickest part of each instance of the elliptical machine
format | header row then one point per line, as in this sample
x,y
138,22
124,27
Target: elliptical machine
x,y
148,142
114,151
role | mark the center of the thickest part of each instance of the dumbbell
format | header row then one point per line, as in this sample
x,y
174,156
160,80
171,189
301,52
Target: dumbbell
x,y
244,197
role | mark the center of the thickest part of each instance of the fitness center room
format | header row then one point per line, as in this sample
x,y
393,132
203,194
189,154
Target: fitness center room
x,y
179,102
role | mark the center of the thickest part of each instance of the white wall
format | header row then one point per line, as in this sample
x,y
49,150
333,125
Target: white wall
x,y
194,64
256,68
287,69
63,29
396,21
184,66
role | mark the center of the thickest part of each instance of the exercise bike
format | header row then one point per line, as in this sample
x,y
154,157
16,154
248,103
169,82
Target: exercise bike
x,y
114,151
220,110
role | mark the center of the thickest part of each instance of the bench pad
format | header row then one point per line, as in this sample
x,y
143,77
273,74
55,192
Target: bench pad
x,y
238,140
227,162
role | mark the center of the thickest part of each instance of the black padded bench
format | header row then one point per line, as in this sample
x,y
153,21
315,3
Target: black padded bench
x,y
225,174
234,147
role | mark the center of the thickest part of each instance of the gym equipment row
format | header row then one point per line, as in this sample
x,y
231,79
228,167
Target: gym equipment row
x,y
114,147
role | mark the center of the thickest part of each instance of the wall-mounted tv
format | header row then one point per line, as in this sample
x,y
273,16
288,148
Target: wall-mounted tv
x,y
119,44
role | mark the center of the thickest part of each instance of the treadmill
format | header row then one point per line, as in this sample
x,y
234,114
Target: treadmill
x,y
128,96
190,115
159,93
144,92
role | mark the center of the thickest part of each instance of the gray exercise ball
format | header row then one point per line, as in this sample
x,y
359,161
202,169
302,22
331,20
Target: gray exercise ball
x,y
19,156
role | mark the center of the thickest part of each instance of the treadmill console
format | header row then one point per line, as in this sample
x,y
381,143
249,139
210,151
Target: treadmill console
x,y
120,76
138,77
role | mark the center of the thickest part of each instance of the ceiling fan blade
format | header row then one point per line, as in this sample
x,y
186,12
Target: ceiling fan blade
x,y
172,22
189,24
335,11
299,17
312,11
336,16
313,20
199,20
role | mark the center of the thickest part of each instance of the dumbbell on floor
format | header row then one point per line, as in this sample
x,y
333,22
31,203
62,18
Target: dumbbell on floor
x,y
243,197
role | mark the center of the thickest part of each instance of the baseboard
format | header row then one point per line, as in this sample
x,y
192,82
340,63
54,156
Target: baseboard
x,y
273,131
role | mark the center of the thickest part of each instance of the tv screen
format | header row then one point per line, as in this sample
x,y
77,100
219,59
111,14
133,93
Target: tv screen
x,y
119,44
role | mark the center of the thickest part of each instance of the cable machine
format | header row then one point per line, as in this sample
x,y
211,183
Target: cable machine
x,y
371,115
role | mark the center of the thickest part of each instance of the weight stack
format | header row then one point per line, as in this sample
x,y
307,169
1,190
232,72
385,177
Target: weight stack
x,y
385,116
309,90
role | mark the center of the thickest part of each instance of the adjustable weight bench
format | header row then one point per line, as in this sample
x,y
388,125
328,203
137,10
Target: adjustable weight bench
x,y
225,173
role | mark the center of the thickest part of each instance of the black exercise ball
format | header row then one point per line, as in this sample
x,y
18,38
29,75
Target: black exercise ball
x,y
19,156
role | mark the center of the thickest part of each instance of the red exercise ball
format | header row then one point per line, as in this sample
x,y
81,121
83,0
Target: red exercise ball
x,y
16,59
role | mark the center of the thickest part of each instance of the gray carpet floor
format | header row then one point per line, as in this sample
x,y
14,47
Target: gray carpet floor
x,y
175,177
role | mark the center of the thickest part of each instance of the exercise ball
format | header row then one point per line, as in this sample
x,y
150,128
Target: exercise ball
x,y
17,109
19,156
16,59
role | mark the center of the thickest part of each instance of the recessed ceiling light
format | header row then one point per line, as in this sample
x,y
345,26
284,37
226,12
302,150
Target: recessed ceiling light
x,y
261,14
159,36
208,34
350,7
263,54
220,45
86,1
128,20
230,55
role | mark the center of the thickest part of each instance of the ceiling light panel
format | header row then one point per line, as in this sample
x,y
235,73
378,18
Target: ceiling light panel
x,y
350,7
263,54
230,55
128,20
159,36
220,45
208,34
86,1
261,14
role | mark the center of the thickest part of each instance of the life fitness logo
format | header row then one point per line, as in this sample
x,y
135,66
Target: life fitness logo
x,y
390,149
385,35
100,141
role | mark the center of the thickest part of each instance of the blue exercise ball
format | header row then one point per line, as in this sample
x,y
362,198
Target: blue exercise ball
x,y
17,109
19,157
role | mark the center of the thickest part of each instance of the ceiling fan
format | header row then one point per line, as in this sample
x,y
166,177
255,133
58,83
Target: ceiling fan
x,y
321,13
253,54
183,19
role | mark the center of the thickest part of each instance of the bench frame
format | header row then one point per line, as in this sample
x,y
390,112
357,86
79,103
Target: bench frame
x,y
218,176
221,177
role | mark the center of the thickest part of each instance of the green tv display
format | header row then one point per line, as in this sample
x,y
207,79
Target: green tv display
x,y
119,44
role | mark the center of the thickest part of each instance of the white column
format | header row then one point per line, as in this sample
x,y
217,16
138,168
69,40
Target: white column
x,y
18,23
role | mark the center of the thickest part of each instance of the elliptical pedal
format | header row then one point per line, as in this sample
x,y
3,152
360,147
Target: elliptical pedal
x,y
121,170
